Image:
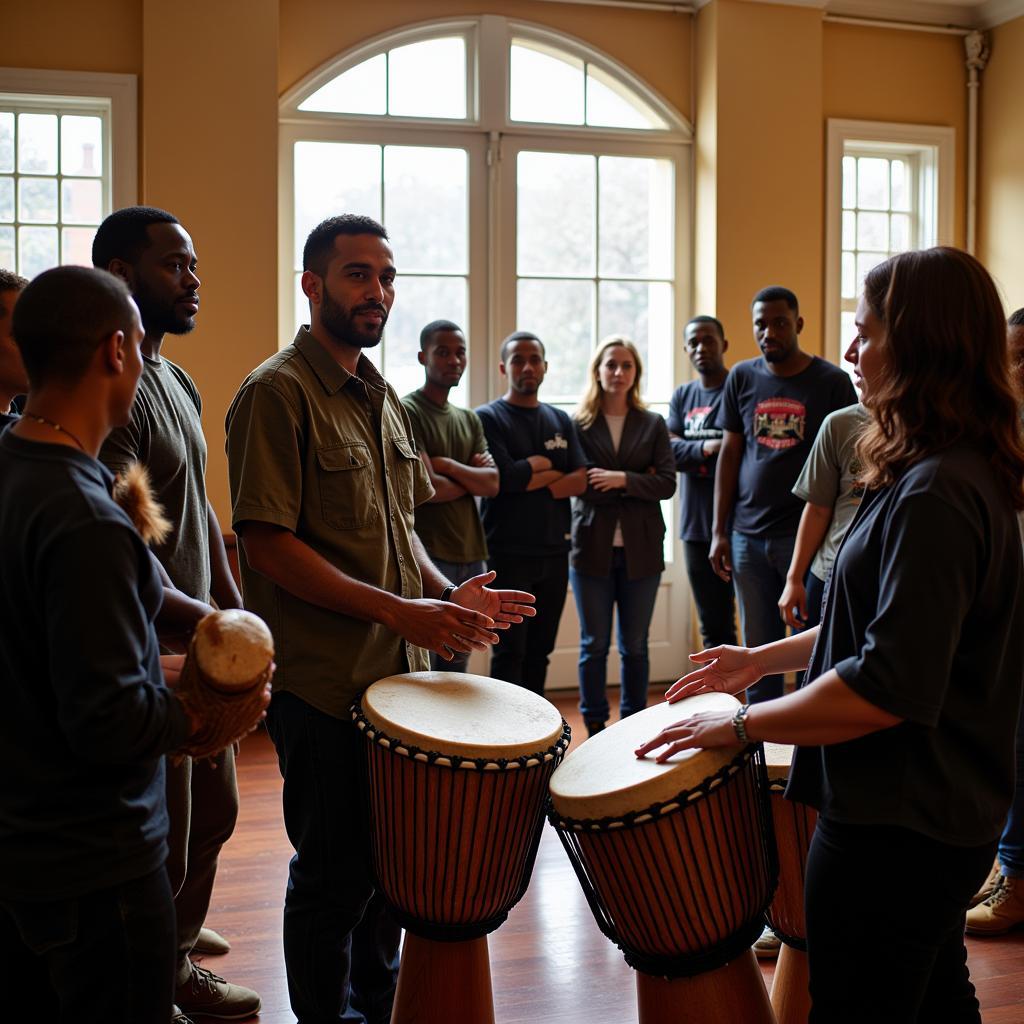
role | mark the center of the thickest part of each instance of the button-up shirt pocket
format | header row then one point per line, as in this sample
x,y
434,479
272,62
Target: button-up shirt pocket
x,y
345,478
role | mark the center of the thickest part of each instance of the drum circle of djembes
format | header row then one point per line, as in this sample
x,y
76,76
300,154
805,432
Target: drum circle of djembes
x,y
677,862
794,827
456,770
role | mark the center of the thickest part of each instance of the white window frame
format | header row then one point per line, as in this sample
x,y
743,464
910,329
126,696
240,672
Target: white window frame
x,y
115,95
933,151
482,133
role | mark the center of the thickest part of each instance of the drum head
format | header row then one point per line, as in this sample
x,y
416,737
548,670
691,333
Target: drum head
x,y
604,778
778,758
464,715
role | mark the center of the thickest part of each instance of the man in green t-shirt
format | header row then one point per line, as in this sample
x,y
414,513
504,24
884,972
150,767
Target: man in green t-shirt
x,y
454,452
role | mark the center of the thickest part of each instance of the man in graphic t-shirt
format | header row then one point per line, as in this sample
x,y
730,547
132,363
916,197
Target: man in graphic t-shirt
x,y
540,465
696,442
771,410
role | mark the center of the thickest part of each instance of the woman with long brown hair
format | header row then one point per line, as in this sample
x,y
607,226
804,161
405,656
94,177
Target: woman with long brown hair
x,y
905,733
617,528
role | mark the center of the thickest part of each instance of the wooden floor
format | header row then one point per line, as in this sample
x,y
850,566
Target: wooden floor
x,y
549,962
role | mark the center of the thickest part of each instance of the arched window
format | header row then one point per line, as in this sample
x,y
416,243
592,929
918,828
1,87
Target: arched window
x,y
527,182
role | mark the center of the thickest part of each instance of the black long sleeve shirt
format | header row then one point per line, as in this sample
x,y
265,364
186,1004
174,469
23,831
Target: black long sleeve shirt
x,y
85,716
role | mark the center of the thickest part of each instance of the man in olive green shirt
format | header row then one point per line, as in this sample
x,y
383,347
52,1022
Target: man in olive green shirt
x,y
325,478
454,452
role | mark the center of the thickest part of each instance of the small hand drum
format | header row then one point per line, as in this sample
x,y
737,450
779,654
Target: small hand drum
x,y
794,826
458,770
676,861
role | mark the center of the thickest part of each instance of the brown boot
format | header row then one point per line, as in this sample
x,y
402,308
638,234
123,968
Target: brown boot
x,y
995,876
1003,910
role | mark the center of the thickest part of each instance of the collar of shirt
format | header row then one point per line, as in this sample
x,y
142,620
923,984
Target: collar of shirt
x,y
331,374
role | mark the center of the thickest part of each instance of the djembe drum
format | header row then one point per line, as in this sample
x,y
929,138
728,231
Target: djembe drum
x,y
794,826
457,772
676,861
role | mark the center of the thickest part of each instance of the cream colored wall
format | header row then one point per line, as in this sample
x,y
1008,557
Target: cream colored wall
x,y
1001,165
873,74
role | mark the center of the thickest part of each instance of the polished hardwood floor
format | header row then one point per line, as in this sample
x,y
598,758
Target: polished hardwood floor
x,y
549,962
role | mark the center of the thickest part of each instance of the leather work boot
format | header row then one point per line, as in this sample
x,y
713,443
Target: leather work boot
x,y
1003,910
208,995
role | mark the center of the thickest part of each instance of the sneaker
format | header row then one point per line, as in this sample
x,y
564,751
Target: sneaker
x,y
211,943
995,877
767,947
1003,910
593,728
208,994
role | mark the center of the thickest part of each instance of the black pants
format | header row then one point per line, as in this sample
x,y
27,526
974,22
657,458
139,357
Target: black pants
x,y
522,654
884,952
340,942
103,958
716,606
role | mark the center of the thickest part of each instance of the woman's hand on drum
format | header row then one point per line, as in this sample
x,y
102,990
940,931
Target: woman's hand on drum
x,y
722,669
703,730
505,607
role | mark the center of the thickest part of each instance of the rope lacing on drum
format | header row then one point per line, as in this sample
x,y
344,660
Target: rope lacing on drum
x,y
481,764
698,792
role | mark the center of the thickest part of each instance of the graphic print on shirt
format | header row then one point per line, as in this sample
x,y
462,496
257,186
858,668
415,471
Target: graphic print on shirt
x,y
556,442
695,425
779,422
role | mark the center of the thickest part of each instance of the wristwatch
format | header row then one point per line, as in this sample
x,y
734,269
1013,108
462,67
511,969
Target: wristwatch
x,y
446,594
739,723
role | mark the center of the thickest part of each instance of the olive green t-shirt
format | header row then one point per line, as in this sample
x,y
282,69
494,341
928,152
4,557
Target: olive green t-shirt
x,y
330,457
165,434
450,530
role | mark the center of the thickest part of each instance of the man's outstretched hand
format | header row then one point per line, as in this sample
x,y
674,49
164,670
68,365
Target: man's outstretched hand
x,y
505,607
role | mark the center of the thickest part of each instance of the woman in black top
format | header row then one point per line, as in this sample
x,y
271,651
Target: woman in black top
x,y
618,532
906,733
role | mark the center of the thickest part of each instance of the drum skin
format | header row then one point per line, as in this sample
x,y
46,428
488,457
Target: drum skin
x,y
455,814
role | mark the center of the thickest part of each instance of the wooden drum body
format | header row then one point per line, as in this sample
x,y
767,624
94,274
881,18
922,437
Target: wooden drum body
x,y
674,861
457,773
794,826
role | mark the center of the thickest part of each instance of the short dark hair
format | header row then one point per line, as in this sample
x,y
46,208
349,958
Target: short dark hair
x,y
319,247
61,318
520,336
124,235
702,319
11,282
1016,318
776,293
435,327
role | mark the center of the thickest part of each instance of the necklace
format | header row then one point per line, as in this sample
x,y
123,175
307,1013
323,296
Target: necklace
x,y
56,426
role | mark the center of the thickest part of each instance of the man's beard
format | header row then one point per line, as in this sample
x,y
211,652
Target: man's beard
x,y
340,322
158,318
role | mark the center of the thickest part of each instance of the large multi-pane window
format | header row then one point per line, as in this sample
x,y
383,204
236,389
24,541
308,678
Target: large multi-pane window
x,y
526,183
890,190
68,156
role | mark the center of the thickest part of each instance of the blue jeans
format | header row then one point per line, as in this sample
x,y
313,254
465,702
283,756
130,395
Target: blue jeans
x,y
340,942
759,567
596,597
1011,844
457,572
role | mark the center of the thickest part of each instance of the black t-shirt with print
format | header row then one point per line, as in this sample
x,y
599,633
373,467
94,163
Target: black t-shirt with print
x,y
779,418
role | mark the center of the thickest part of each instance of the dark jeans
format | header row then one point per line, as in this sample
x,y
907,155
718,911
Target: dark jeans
x,y
340,943
103,958
596,598
759,567
521,656
1011,845
885,958
815,592
716,606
